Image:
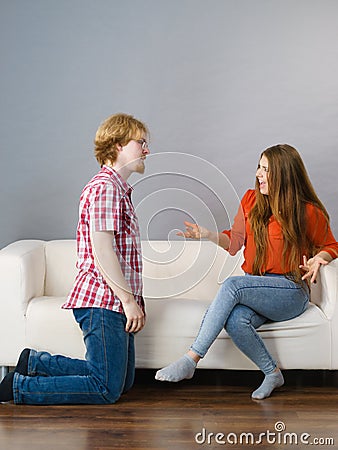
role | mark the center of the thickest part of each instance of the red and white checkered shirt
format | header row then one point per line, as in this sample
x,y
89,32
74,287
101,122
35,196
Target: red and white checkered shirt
x,y
105,205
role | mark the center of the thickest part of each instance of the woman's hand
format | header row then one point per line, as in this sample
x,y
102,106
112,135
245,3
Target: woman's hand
x,y
311,267
194,231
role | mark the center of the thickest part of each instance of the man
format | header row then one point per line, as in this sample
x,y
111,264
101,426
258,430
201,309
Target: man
x,y
106,298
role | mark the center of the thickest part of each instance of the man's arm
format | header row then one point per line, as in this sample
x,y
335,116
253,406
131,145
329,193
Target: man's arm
x,y
107,262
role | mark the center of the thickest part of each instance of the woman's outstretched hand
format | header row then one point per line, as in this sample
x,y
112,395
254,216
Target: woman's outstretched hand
x,y
194,231
311,267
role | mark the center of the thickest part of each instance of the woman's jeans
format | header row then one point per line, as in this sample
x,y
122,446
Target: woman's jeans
x,y
107,372
244,303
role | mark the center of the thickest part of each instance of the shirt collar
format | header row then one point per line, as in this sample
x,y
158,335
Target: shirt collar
x,y
118,179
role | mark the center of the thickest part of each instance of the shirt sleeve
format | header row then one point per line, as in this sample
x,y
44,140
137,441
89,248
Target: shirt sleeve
x,y
104,209
319,231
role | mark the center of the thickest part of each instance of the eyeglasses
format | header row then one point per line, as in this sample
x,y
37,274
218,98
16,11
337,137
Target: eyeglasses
x,y
143,142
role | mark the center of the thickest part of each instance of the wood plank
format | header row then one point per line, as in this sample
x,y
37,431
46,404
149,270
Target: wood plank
x,y
165,416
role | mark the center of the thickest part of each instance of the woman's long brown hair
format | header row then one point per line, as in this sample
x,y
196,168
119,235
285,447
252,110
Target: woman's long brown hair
x,y
290,189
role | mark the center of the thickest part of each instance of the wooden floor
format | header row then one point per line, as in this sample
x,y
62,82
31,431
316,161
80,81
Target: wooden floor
x,y
188,415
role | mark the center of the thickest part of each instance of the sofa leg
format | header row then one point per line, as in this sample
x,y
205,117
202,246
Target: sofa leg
x,y
3,372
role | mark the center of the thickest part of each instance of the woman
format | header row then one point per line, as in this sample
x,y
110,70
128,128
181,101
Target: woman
x,y
286,235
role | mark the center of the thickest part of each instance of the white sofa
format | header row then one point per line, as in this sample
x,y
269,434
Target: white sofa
x,y
180,280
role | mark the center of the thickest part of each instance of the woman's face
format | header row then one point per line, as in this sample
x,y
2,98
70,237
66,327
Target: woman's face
x,y
262,175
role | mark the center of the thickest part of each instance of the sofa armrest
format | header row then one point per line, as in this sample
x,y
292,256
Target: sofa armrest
x,y
329,279
22,275
324,294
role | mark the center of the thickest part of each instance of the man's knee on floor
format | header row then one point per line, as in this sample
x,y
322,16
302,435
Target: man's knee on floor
x,y
112,396
110,391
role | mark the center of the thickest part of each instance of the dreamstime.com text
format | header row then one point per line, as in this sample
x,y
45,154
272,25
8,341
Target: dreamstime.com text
x,y
279,436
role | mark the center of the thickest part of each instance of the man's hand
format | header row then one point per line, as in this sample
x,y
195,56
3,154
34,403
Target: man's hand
x,y
135,316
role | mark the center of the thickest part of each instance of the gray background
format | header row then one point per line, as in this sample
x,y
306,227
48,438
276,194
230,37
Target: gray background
x,y
216,82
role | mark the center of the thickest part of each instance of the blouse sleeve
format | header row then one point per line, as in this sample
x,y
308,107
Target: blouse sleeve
x,y
319,231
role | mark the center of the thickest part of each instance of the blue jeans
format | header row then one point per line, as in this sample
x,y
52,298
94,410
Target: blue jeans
x,y
244,303
106,373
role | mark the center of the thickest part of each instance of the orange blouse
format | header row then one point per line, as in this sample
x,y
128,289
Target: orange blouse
x,y
242,234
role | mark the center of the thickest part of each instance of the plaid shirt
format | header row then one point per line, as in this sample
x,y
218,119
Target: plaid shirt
x,y
105,205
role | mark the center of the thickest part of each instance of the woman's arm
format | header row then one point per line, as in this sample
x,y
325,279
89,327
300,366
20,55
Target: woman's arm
x,y
230,240
194,231
319,232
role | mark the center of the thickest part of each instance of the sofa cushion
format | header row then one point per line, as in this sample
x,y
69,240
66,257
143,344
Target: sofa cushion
x,y
172,325
60,267
182,317
61,334
189,269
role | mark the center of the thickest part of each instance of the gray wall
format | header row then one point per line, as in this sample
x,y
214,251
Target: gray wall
x,y
216,81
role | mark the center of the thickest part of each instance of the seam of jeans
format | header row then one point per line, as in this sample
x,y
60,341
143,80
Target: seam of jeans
x,y
106,375
260,341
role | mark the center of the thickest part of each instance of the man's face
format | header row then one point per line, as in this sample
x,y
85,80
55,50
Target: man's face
x,y
134,154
